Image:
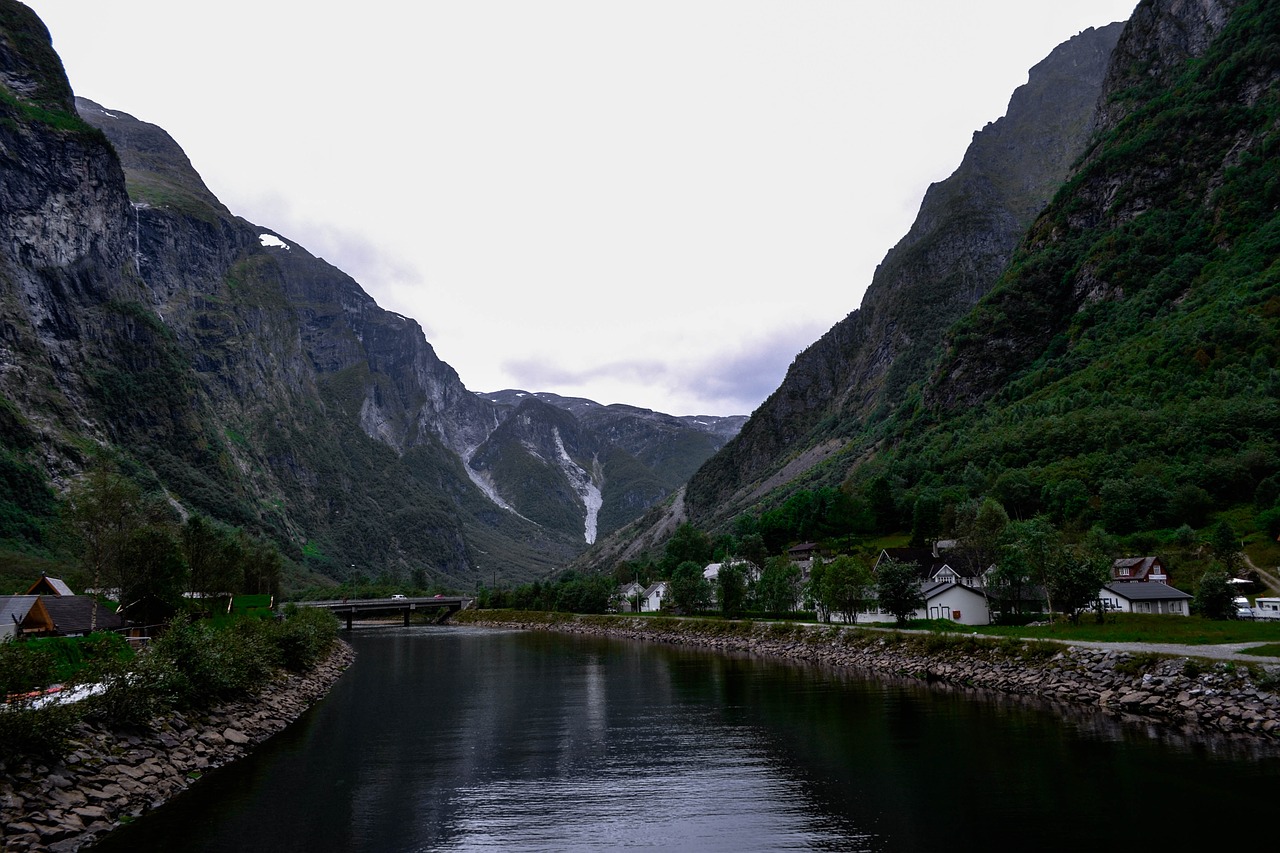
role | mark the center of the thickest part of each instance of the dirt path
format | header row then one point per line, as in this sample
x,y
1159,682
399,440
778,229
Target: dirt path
x,y
1266,576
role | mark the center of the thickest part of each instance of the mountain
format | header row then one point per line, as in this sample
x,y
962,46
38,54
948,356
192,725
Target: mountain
x,y
963,236
638,457
1081,323
223,367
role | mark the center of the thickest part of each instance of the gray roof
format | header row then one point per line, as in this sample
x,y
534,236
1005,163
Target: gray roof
x,y
56,586
74,614
14,608
1146,591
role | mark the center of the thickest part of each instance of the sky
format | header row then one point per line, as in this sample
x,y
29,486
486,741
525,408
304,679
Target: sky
x,y
652,202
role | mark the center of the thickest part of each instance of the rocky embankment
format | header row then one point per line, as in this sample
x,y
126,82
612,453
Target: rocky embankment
x,y
1191,694
111,777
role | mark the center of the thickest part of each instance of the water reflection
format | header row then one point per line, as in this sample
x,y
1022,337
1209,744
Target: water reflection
x,y
455,739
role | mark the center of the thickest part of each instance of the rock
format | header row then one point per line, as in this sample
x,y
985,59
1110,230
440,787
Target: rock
x,y
235,736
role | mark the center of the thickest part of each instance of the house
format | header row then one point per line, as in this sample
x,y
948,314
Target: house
x,y
803,553
23,614
54,616
1142,569
1124,597
961,603
750,571
931,567
79,615
651,598
958,602
629,594
50,586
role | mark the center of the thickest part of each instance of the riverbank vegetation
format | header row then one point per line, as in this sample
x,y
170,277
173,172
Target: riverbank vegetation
x,y
192,666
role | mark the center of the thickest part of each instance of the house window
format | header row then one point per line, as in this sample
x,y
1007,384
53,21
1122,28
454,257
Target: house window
x,y
1124,572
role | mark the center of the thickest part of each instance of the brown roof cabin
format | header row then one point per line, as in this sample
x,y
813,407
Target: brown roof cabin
x,y
50,586
23,614
1144,569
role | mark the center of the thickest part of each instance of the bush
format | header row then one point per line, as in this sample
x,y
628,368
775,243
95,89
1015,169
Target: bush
x,y
212,664
36,732
24,668
304,637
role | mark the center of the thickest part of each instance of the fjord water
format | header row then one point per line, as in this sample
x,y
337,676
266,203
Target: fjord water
x,y
465,739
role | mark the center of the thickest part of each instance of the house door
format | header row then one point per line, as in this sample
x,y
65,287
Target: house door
x,y
939,611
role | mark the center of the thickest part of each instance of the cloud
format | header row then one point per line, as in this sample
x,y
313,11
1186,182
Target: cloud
x,y
732,378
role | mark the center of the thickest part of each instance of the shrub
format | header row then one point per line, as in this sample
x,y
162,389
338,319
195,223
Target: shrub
x,y
304,637
36,732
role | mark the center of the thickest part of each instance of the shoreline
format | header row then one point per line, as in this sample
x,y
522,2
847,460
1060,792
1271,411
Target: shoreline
x,y
1190,694
111,777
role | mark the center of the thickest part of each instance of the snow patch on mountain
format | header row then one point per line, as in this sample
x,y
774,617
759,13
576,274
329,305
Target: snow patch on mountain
x,y
584,485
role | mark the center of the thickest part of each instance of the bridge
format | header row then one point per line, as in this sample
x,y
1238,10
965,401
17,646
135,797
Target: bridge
x,y
440,605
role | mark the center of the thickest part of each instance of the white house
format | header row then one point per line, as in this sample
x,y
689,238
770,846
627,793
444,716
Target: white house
x,y
629,595
750,571
651,598
1128,597
962,604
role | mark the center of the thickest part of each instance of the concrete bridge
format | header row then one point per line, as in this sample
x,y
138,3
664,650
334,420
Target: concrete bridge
x,y
440,605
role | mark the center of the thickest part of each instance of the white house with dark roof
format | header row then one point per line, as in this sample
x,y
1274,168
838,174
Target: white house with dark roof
x,y
629,594
931,567
964,605
1145,598
651,598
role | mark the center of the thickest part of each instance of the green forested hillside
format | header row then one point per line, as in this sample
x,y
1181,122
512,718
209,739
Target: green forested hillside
x,y
1125,369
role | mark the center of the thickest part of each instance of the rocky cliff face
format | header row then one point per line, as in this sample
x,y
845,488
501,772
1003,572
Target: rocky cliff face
x,y
962,239
222,363
1130,173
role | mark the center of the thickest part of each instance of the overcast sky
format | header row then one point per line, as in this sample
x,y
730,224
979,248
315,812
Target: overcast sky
x,y
638,201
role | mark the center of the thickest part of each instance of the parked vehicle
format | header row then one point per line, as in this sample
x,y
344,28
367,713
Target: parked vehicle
x,y
1266,608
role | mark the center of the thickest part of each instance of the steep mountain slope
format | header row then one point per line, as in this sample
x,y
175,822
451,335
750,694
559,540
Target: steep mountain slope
x,y
619,460
222,365
1124,368
967,228
1129,355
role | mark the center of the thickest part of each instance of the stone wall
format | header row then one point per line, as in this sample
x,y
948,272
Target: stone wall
x,y
1191,694
110,777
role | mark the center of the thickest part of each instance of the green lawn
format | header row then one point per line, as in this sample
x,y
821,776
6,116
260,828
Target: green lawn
x,y
1144,628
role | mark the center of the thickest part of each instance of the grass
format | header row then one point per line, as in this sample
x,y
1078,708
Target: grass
x,y
1271,650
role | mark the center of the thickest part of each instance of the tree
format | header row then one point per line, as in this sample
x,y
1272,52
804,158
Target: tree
x,y
731,588
154,573
688,543
214,558
778,589
1033,549
898,589
689,588
126,542
1076,581
926,520
847,587
1214,598
979,527
101,511
1226,547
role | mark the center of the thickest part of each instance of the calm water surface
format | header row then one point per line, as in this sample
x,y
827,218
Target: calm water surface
x,y
462,739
